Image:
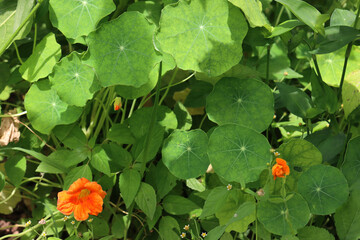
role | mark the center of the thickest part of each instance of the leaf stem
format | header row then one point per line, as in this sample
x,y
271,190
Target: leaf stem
x,y
35,37
169,85
17,53
13,36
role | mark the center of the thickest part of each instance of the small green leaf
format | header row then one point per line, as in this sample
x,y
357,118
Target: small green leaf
x,y
204,36
129,183
214,201
120,134
347,218
351,92
169,228
185,153
284,218
151,10
158,213
73,81
122,50
118,226
183,116
45,109
164,180
78,18
324,188
177,205
351,165
312,232
146,199
335,38
238,153
83,171
194,184
307,14
15,168
100,160
119,157
253,12
247,102
342,17
99,227
296,101
41,63
285,27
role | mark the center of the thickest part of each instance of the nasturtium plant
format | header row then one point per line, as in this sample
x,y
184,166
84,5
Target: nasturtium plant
x,y
179,119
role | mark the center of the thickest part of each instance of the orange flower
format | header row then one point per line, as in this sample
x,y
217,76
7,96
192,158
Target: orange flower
x,y
82,198
117,103
280,169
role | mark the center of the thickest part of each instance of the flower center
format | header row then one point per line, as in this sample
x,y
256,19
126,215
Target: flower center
x,y
84,193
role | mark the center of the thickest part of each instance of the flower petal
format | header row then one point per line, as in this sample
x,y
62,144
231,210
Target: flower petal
x,y
81,212
78,185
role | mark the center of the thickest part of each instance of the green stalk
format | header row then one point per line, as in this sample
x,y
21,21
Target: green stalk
x,y
132,108
35,37
13,36
152,122
347,55
124,112
105,112
169,85
17,53
268,63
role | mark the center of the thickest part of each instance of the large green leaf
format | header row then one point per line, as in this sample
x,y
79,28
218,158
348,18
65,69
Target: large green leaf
x,y
204,36
312,232
351,92
307,14
41,63
45,109
146,199
253,12
351,166
342,17
178,205
185,153
284,218
247,102
150,9
347,218
331,65
129,183
74,81
78,17
12,14
324,188
169,228
122,50
238,153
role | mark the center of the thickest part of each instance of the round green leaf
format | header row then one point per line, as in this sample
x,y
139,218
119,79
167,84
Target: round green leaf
x,y
351,166
238,153
204,36
311,232
247,102
45,109
73,81
300,154
284,218
184,153
41,63
324,188
122,50
331,65
76,18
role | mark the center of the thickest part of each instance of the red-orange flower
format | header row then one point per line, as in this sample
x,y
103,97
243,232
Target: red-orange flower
x,y
82,198
280,169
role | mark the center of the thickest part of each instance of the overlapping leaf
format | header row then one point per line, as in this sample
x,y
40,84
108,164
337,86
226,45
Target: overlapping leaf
x,y
122,52
204,36
76,18
247,102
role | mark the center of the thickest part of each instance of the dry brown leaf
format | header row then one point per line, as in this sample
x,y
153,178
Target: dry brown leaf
x,y
9,129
